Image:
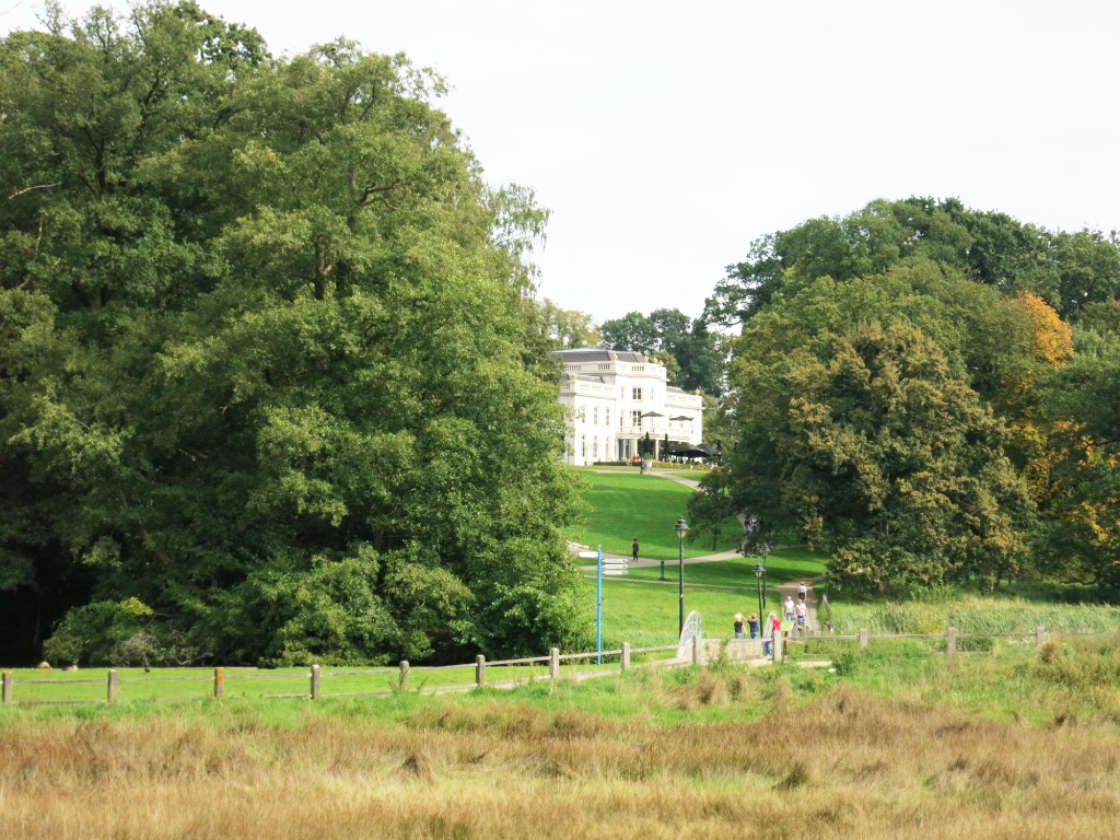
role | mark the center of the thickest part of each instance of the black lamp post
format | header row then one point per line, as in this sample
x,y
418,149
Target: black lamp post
x,y
760,574
682,529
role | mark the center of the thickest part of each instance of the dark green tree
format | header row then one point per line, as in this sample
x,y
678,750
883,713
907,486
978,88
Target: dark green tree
x,y
1081,536
876,454
1066,270
633,331
693,355
274,373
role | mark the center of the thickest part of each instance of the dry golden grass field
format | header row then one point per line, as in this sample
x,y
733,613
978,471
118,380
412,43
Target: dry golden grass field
x,y
718,753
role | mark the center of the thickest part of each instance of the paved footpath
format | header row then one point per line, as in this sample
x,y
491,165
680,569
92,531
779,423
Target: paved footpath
x,y
645,562
790,588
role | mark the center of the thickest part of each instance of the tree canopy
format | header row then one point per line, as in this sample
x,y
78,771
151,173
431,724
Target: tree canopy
x,y
907,394
271,377
693,355
1067,270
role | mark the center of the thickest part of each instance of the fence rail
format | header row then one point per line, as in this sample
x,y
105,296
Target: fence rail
x,y
694,653
547,668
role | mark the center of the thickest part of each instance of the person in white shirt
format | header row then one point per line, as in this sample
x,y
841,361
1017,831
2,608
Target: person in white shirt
x,y
787,607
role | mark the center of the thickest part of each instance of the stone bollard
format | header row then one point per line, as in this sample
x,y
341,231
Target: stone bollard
x,y
112,686
219,682
315,687
697,650
951,641
7,692
863,637
480,670
624,660
405,667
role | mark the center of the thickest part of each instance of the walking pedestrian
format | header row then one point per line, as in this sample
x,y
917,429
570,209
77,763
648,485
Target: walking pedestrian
x,y
634,549
752,623
738,625
803,591
772,625
787,607
801,612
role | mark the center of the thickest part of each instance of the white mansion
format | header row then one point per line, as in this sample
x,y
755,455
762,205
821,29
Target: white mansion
x,y
615,398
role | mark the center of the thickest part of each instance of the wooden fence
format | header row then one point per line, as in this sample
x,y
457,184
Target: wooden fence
x,y
692,651
402,676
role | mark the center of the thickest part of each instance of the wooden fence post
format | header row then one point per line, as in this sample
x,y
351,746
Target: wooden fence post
x,y
480,671
315,688
776,646
951,641
405,667
1040,636
863,636
554,663
112,686
624,660
697,649
7,693
219,682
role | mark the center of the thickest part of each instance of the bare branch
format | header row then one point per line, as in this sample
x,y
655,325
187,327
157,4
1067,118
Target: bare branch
x,y
369,192
34,187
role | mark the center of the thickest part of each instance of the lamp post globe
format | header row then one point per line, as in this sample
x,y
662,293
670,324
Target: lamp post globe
x,y
682,529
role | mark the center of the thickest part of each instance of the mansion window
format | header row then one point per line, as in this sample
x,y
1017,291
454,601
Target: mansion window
x,y
607,416
595,418
636,417
637,394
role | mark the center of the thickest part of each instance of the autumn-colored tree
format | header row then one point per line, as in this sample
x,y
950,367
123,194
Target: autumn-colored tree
x,y
878,455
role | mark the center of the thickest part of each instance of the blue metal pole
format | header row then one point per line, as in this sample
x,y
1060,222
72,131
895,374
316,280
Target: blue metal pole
x,y
599,611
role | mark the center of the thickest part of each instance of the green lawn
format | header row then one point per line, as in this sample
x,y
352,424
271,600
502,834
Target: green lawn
x,y
165,684
624,505
646,614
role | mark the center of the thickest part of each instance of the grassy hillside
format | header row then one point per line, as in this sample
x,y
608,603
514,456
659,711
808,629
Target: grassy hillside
x,y
624,505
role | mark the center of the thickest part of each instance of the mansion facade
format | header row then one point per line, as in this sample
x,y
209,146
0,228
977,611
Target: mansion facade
x,y
615,398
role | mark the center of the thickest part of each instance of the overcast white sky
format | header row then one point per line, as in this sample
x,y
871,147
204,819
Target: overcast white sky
x,y
665,136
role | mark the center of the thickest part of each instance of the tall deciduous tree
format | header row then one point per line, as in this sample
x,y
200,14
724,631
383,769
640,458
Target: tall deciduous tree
x,y
875,453
567,328
274,372
696,355
1082,530
997,298
867,402
1067,270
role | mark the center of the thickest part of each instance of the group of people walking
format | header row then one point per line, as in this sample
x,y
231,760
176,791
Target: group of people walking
x,y
795,614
